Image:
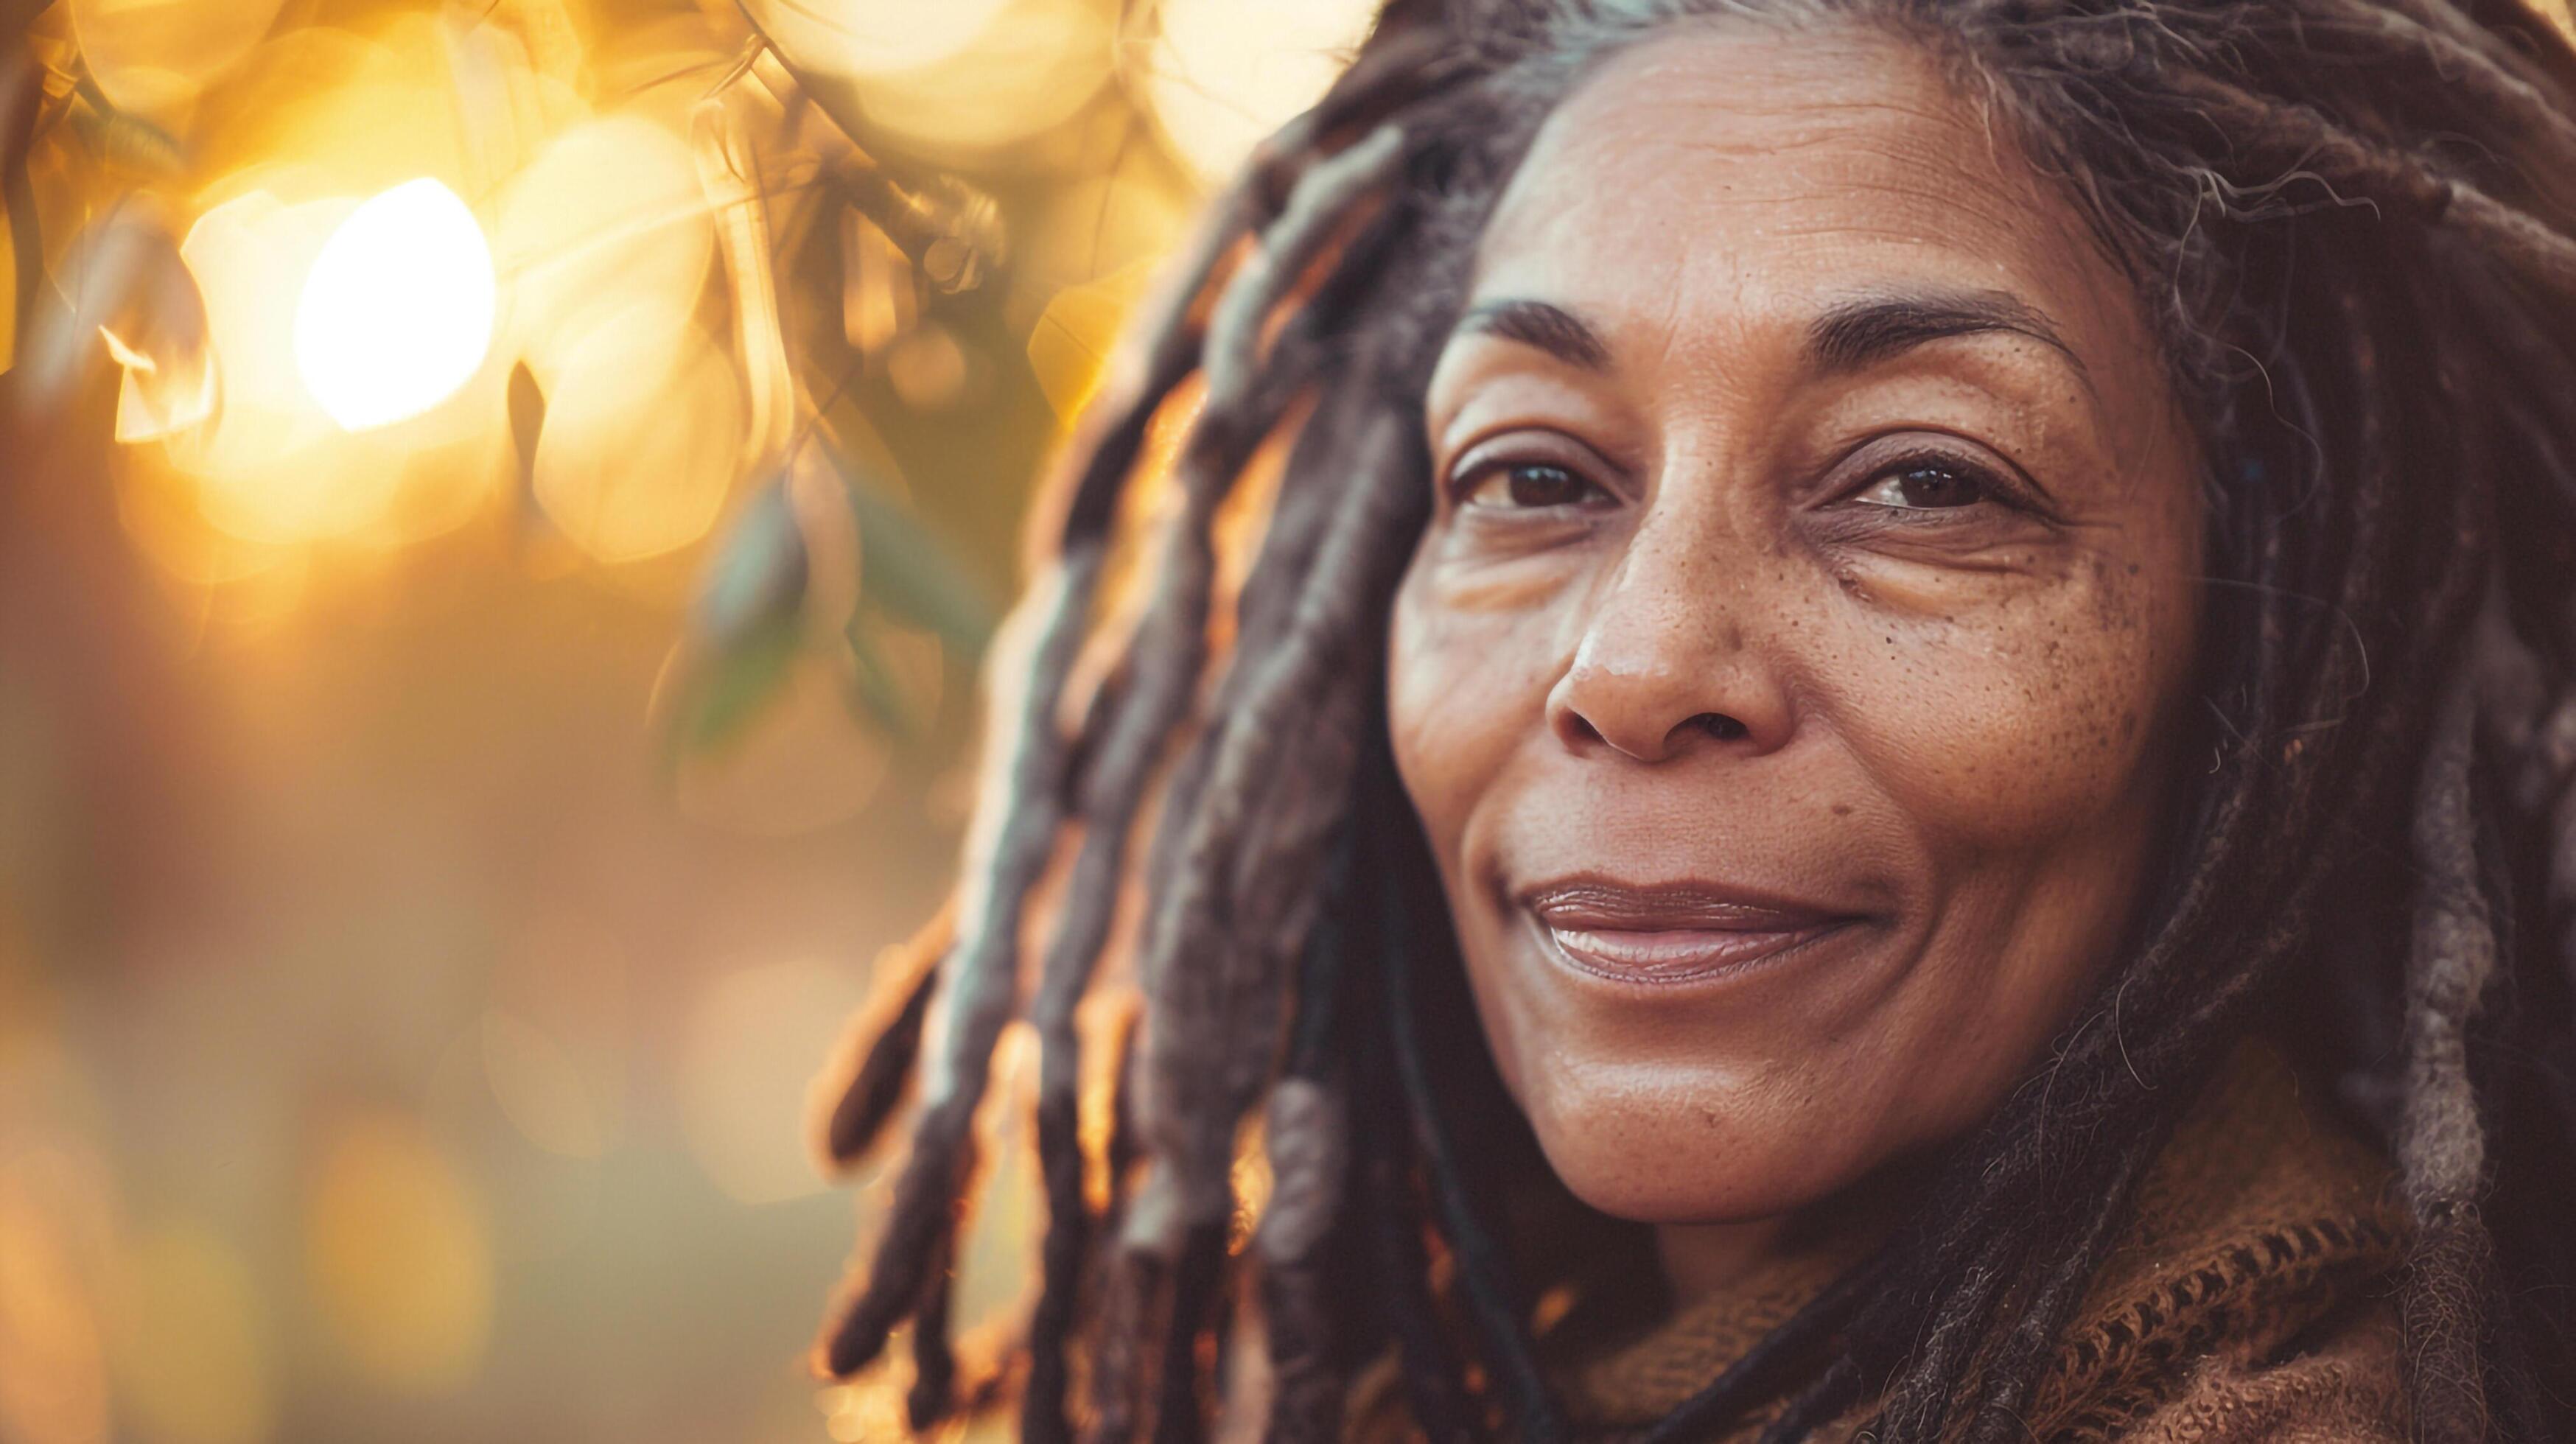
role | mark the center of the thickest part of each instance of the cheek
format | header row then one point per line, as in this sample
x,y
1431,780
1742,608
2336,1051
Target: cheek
x,y
1466,687
1466,693
2001,722
1417,717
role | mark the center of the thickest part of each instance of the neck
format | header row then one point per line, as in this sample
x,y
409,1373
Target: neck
x,y
1702,1260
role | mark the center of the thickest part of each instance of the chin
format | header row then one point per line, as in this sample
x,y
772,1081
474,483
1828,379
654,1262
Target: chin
x,y
1701,1154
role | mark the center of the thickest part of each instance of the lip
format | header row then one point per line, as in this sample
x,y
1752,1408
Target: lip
x,y
1663,934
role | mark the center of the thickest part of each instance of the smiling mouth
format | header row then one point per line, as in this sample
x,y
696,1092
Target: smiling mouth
x,y
1671,933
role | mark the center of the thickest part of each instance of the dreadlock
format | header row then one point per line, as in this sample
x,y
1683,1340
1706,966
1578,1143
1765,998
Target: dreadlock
x,y
2353,226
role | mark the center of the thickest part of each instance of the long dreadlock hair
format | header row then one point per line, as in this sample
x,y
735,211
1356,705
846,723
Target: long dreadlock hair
x,y
2353,223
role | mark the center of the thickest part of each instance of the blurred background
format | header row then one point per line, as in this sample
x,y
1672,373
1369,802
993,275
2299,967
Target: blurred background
x,y
500,505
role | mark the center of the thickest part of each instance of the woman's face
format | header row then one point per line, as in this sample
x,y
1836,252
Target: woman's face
x,y
1787,676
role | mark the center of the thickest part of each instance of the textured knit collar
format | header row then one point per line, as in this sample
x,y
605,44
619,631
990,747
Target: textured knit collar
x,y
2260,1218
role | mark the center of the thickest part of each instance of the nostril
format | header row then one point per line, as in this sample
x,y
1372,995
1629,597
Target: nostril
x,y
1718,725
1583,729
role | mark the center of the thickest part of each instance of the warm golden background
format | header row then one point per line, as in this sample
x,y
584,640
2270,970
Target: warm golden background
x,y
498,503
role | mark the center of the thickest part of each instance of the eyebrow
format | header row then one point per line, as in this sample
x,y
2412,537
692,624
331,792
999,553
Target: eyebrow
x,y
1850,336
1860,333
1552,329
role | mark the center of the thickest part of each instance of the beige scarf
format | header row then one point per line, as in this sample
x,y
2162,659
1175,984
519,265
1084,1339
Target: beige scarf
x,y
2250,1299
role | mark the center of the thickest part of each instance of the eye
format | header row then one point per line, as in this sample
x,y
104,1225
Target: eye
x,y
1527,486
1926,485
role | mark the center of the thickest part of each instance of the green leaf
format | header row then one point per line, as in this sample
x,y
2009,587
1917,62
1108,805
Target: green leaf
x,y
874,690
757,580
723,691
905,568
746,628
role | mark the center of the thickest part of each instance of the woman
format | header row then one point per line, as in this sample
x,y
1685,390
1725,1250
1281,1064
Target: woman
x,y
1848,715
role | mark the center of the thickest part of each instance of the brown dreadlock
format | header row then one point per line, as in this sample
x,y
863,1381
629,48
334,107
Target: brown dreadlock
x,y
2354,224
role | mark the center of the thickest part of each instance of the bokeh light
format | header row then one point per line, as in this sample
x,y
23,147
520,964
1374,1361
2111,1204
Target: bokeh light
x,y
151,318
876,37
627,470
270,466
397,311
397,1252
965,80
156,56
53,1370
1224,73
745,1064
249,254
195,1354
556,1040
606,229
1070,347
540,1088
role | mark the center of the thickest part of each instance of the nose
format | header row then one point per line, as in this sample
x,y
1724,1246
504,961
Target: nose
x,y
1669,664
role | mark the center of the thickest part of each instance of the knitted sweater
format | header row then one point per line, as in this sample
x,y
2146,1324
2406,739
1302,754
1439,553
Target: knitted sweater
x,y
2250,1299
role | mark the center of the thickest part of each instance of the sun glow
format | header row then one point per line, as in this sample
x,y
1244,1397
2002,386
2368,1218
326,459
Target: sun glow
x,y
1225,73
879,37
397,312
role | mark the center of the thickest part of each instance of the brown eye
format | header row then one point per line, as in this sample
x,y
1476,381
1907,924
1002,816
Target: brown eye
x,y
1925,486
1530,485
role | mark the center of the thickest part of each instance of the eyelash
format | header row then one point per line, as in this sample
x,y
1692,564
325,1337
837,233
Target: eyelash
x,y
1993,484
1469,480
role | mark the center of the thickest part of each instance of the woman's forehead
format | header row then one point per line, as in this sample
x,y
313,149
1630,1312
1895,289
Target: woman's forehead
x,y
1747,177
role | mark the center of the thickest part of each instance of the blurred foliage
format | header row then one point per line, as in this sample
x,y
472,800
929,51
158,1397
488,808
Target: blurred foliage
x,y
382,1055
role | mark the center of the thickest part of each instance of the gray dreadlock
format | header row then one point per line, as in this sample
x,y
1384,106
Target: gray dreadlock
x,y
2352,223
